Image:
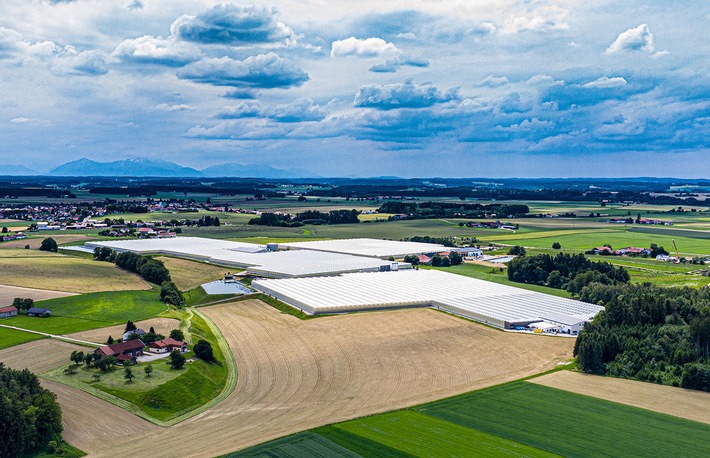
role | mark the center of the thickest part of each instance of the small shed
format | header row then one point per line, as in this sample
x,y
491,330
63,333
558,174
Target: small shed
x,y
7,312
37,311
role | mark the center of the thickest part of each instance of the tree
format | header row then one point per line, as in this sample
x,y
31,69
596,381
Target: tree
x,y
445,261
412,259
4,230
177,359
71,369
436,260
148,370
89,358
130,326
556,246
177,335
455,258
517,251
203,350
128,374
23,304
49,244
110,340
77,357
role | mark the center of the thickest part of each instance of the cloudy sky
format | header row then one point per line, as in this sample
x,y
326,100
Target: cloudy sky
x,y
361,88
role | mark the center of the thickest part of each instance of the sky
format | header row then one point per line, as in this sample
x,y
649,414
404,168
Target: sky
x,y
416,88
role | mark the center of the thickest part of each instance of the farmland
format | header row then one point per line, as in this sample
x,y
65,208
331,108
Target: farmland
x,y
190,274
43,270
8,293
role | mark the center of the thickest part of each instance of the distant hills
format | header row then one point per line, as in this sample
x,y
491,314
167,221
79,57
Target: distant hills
x,y
142,167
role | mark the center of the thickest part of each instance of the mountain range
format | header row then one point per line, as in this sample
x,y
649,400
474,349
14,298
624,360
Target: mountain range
x,y
142,167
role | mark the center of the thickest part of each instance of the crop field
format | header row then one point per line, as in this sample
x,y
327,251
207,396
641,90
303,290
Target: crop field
x,y
9,293
689,404
296,374
571,424
161,325
188,274
90,311
43,270
39,356
34,240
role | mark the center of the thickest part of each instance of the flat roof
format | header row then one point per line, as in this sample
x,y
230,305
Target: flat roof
x,y
369,247
408,288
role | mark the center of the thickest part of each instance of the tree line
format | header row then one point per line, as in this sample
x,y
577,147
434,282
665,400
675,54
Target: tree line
x,y
649,333
452,209
30,416
307,217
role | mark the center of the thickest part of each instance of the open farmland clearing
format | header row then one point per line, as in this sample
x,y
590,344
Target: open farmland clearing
x,y
8,293
44,270
34,240
188,274
690,404
295,375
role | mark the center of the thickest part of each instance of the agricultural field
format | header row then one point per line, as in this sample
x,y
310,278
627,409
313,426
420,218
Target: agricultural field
x,y
188,274
58,272
514,419
333,368
34,239
89,311
9,293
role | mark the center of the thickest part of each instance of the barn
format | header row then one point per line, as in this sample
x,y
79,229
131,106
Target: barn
x,y
7,312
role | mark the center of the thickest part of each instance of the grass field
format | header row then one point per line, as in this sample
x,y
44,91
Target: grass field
x,y
88,311
44,270
12,337
188,274
301,445
515,419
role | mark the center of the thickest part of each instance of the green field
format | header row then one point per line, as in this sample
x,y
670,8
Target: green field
x,y
12,337
514,419
88,311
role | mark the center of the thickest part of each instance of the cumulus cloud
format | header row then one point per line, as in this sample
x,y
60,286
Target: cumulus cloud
x,y
637,39
514,103
392,65
88,63
243,110
368,47
158,51
234,26
541,19
493,81
606,82
170,108
9,40
402,95
261,71
298,111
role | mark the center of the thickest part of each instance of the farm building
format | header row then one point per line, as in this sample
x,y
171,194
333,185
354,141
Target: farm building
x,y
566,323
123,351
258,260
7,312
139,332
374,248
37,311
490,303
167,345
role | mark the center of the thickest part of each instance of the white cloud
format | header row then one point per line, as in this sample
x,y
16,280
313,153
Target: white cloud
x,y
368,47
493,81
636,39
151,50
605,82
542,19
169,108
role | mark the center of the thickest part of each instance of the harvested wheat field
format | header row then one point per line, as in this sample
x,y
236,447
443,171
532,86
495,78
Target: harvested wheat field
x,y
188,274
40,355
295,375
161,326
8,293
40,269
689,404
35,242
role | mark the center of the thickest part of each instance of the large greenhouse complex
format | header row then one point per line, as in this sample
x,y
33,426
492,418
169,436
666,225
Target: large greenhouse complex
x,y
490,303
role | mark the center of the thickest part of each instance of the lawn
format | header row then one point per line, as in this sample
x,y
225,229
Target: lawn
x,y
44,270
12,337
89,311
571,424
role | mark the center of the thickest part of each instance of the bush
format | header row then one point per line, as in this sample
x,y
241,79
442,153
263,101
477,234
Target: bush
x,y
177,359
203,350
556,246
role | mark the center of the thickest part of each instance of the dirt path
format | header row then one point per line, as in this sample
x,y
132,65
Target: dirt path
x,y
9,293
689,404
295,375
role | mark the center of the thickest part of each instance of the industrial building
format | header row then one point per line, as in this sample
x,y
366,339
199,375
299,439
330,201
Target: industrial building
x,y
490,303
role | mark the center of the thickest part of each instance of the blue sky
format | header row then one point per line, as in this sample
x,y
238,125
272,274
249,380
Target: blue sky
x,y
341,88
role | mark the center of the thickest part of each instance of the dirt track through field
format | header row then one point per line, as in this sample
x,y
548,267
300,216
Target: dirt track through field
x,y
9,293
689,404
295,375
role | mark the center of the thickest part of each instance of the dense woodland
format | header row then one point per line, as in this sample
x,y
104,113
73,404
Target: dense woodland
x,y
455,209
648,333
307,217
29,415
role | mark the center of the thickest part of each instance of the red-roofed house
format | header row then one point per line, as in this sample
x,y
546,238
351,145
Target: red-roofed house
x,y
424,259
122,351
168,345
7,312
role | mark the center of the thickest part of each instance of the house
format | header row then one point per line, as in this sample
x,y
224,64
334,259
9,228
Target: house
x,y
7,312
36,311
123,351
424,259
168,345
138,331
600,249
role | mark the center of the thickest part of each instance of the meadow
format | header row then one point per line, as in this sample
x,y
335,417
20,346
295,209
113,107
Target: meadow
x,y
514,419
187,274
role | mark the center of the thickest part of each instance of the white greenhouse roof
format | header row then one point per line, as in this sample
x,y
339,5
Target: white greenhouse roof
x,y
369,247
481,300
255,258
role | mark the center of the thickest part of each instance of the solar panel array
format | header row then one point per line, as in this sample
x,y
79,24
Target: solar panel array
x,y
480,300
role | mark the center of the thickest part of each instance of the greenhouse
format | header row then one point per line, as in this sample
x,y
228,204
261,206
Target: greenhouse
x,y
369,247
